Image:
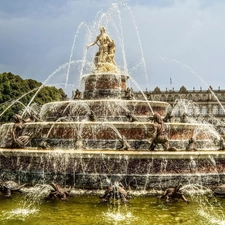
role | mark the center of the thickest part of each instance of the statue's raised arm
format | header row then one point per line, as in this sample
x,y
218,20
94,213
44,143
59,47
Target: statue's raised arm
x,y
93,43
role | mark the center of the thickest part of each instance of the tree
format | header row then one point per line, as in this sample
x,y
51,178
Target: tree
x,y
16,93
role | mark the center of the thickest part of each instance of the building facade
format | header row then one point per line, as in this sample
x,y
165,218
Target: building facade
x,y
208,102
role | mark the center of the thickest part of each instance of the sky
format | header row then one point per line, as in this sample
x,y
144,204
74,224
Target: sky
x,y
164,43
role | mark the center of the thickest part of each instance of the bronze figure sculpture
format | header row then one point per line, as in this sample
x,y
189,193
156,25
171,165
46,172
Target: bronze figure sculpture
x,y
191,145
160,134
173,193
124,144
18,140
58,192
7,187
131,117
115,192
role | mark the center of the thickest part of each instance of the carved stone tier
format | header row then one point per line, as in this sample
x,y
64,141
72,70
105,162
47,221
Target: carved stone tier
x,y
103,108
106,135
104,85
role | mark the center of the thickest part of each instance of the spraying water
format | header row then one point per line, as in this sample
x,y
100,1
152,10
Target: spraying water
x,y
72,50
194,73
17,100
142,94
49,77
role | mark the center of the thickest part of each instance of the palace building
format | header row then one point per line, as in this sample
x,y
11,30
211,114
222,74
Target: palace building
x,y
208,102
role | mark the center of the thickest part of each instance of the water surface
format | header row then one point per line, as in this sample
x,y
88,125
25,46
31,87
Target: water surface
x,y
85,210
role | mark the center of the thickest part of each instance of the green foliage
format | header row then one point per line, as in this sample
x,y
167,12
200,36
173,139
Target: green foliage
x,y
12,87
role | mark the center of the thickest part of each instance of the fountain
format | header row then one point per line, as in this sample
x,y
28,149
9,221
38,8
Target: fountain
x,y
104,133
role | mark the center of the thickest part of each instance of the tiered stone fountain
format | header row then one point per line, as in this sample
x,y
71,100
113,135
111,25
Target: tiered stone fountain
x,y
104,134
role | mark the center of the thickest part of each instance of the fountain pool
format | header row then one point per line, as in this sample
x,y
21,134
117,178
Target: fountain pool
x,y
88,210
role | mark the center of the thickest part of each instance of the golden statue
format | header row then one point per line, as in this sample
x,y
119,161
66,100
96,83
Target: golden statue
x,y
104,58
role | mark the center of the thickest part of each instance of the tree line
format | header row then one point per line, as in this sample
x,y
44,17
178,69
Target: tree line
x,y
16,93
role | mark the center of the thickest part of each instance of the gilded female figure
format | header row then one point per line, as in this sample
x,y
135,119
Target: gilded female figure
x,y
106,50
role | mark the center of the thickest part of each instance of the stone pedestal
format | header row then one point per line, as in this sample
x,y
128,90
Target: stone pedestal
x,y
97,86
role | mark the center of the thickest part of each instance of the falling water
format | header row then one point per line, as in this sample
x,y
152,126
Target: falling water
x,y
189,108
17,100
29,205
73,106
122,38
72,50
118,214
49,77
19,214
142,94
113,128
140,44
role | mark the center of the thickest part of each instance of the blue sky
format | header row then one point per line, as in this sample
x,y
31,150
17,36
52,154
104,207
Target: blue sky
x,y
177,39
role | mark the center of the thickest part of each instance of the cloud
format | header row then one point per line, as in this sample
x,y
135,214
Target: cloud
x,y
188,32
178,39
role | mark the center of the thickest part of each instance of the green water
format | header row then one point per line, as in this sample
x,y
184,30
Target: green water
x,y
85,210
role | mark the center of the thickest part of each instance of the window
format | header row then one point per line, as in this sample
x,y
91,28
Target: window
x,y
197,110
215,110
170,98
204,97
204,110
197,97
190,110
190,97
222,110
221,97
163,98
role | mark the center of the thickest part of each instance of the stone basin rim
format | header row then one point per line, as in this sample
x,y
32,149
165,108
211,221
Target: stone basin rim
x,y
108,100
110,73
116,153
179,125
